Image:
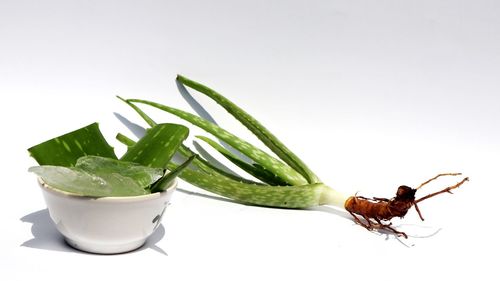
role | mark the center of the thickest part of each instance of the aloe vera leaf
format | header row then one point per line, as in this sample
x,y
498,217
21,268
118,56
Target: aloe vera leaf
x,y
158,146
303,196
125,140
144,116
66,149
255,170
202,165
272,164
269,177
255,127
164,182
80,182
100,166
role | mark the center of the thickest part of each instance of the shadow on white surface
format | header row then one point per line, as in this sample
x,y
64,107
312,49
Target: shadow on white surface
x,y
414,231
213,197
195,105
137,130
334,211
46,236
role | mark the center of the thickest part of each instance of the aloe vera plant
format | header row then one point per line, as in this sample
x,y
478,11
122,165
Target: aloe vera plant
x,y
83,163
285,182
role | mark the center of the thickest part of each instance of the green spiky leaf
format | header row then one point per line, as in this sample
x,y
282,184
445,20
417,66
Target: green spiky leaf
x,y
165,181
198,162
158,146
304,196
270,163
256,128
255,170
125,140
66,149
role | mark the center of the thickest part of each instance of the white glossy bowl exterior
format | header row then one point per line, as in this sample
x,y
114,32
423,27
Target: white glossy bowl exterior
x,y
106,225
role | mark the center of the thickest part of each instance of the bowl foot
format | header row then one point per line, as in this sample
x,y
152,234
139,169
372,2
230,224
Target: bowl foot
x,y
105,249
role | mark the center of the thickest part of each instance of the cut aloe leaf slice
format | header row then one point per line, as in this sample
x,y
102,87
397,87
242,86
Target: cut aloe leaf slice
x,y
79,182
158,146
99,177
66,149
101,166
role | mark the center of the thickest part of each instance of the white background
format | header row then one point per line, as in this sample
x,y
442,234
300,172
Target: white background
x,y
371,94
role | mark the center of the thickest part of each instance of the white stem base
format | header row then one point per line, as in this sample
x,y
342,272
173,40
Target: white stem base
x,y
332,197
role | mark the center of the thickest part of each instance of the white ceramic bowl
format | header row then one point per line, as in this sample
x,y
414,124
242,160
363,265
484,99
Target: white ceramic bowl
x,y
106,225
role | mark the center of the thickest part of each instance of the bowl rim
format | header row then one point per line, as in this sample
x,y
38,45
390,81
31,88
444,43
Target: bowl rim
x,y
137,198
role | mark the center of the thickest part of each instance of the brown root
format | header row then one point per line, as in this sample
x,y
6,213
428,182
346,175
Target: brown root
x,y
377,224
448,189
377,212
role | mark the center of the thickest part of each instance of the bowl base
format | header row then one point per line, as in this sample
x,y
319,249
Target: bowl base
x,y
104,249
